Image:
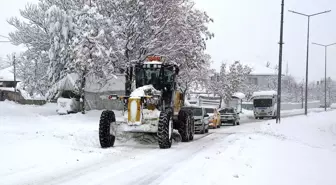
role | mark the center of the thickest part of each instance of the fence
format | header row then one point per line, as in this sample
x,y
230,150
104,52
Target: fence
x,y
32,102
286,105
93,101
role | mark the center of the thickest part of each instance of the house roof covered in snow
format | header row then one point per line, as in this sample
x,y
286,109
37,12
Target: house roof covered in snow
x,y
264,93
258,69
7,75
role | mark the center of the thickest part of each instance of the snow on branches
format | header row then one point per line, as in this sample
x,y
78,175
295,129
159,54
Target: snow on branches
x,y
229,80
104,36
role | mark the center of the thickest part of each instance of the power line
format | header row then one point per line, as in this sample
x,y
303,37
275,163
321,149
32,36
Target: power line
x,y
4,37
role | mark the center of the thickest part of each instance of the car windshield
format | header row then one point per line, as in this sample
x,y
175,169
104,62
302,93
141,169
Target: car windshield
x,y
196,111
224,111
209,110
262,102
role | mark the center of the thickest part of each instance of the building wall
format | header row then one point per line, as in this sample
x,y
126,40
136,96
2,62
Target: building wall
x,y
264,82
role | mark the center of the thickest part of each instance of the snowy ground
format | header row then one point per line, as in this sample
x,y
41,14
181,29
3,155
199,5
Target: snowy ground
x,y
40,147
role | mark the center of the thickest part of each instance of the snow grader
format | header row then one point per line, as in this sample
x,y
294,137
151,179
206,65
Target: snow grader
x,y
152,104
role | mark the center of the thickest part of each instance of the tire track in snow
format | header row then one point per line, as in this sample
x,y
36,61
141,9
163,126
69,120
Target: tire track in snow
x,y
164,165
125,158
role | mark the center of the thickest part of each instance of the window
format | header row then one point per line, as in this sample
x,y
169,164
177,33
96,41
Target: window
x,y
209,110
253,80
262,103
196,111
147,76
227,111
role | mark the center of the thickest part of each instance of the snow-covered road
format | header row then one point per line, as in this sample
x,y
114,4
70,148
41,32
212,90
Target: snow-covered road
x,y
39,147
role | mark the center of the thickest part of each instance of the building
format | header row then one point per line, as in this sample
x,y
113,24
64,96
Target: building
x,y
262,77
8,85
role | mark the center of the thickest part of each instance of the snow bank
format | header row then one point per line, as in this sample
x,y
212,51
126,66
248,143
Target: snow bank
x,y
300,150
36,138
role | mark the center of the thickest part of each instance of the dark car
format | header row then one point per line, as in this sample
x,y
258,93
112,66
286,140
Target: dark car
x,y
229,115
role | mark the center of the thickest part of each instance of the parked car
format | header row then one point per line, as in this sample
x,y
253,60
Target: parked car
x,y
214,117
201,119
68,103
230,115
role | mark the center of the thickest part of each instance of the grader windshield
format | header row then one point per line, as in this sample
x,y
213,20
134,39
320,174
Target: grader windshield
x,y
160,76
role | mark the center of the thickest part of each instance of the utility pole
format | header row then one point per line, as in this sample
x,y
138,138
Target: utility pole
x,y
14,72
14,65
325,71
302,95
280,63
307,56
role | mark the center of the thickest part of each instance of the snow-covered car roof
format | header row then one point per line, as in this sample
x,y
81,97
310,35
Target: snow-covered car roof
x,y
264,93
239,95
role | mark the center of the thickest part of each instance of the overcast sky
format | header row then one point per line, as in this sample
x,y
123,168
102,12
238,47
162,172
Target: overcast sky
x,y
248,30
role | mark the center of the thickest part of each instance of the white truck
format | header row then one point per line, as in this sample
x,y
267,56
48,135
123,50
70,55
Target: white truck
x,y
265,104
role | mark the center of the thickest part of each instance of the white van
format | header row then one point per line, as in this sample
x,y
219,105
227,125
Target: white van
x,y
265,104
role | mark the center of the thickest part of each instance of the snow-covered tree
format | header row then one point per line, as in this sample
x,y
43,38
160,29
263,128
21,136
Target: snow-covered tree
x,y
60,34
29,68
194,74
230,80
170,28
101,37
33,32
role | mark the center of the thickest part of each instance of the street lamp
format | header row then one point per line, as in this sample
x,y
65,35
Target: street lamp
x,y
307,57
325,71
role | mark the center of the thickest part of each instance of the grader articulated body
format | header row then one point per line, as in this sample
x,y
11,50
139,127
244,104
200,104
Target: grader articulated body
x,y
152,104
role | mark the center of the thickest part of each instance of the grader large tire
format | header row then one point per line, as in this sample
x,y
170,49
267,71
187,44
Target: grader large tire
x,y
184,125
106,139
191,126
165,130
192,129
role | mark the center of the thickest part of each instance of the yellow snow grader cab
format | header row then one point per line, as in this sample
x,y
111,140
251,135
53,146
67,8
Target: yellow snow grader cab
x,y
152,104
